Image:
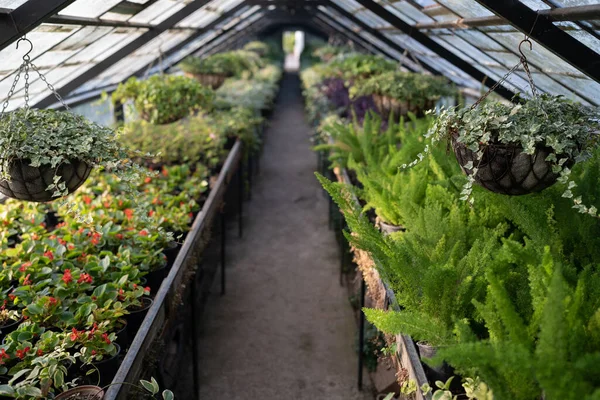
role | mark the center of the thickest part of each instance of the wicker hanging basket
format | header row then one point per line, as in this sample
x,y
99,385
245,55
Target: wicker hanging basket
x,y
507,169
29,183
388,105
213,81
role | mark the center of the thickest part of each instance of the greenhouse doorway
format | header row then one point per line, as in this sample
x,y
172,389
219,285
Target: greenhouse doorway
x,y
293,45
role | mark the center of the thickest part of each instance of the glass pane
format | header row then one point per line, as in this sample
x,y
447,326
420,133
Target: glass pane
x,y
158,12
11,4
89,8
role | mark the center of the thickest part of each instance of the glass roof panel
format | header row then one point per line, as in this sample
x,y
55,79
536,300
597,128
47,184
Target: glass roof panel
x,y
89,8
158,12
11,4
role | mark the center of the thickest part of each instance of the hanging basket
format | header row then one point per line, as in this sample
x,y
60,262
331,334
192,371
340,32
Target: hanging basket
x,y
29,183
213,81
507,169
388,105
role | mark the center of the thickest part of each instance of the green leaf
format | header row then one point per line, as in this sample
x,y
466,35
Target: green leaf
x,y
148,386
34,309
6,390
168,395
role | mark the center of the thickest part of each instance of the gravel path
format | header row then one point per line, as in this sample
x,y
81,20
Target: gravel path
x,y
285,329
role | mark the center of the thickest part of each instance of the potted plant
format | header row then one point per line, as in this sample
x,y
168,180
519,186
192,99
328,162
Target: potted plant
x,y
163,99
46,154
517,149
213,70
327,53
260,48
88,392
399,93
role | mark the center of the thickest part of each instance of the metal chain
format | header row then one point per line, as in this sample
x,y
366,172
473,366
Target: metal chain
x,y
11,91
49,85
523,62
26,65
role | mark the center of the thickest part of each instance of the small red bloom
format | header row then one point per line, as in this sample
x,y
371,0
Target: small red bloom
x,y
165,172
191,215
128,213
150,213
74,335
143,232
49,254
82,257
120,203
3,356
93,352
61,224
119,236
24,266
70,246
87,199
52,237
40,352
121,294
11,296
22,353
147,289
106,338
85,278
106,204
26,281
62,241
43,224
67,278
52,301
135,286
35,236
147,180
94,298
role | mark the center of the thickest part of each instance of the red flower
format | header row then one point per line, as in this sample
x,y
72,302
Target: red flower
x,y
52,237
22,353
191,215
70,246
74,335
106,204
3,356
87,199
26,281
147,180
85,278
61,224
94,298
11,296
119,236
150,213
135,286
93,352
52,301
24,266
49,254
82,257
121,294
62,241
67,278
165,172
147,289
120,203
40,352
143,232
128,213
106,338
96,238
35,236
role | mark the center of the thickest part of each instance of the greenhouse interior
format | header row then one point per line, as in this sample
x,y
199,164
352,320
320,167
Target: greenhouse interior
x,y
300,199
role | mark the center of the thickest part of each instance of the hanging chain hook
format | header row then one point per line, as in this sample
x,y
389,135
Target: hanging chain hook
x,y
24,39
521,44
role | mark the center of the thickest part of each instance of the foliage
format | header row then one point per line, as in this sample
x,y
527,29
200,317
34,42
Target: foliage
x,y
162,99
248,93
417,89
326,53
260,48
52,138
359,66
232,63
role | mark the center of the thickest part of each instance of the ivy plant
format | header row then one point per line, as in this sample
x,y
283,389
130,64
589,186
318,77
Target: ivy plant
x,y
162,99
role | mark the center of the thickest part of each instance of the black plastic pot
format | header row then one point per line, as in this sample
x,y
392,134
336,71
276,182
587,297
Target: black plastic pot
x,y
507,169
51,219
106,368
8,328
29,183
155,278
123,338
171,252
136,316
84,392
14,240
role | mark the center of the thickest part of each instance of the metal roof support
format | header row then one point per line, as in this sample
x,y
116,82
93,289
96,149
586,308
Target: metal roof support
x,y
124,52
541,28
27,17
432,45
377,34
354,36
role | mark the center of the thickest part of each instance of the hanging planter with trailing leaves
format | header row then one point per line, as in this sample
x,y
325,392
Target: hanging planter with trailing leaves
x,y
47,154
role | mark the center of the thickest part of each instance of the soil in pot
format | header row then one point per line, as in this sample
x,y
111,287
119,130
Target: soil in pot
x,y
507,169
29,183
84,392
136,316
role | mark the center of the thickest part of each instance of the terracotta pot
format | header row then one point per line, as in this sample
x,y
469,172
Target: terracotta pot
x,y
29,183
388,228
85,392
213,81
507,169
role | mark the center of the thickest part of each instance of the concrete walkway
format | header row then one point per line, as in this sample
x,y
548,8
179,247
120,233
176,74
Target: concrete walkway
x,y
285,329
